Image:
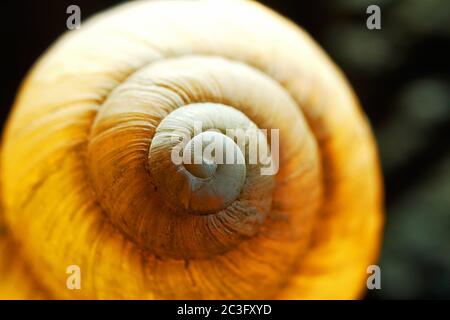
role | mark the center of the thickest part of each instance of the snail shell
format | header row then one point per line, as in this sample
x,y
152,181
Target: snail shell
x,y
87,176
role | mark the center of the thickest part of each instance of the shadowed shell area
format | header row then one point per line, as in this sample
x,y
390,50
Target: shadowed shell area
x,y
88,179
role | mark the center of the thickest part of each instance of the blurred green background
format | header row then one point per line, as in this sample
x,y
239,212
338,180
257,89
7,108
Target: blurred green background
x,y
401,74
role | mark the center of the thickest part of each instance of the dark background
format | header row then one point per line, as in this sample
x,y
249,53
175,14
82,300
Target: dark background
x,y
401,74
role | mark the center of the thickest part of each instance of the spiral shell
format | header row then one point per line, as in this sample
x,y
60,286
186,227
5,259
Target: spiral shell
x,y
87,177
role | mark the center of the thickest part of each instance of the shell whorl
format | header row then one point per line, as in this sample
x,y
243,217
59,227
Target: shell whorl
x,y
102,191
202,181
